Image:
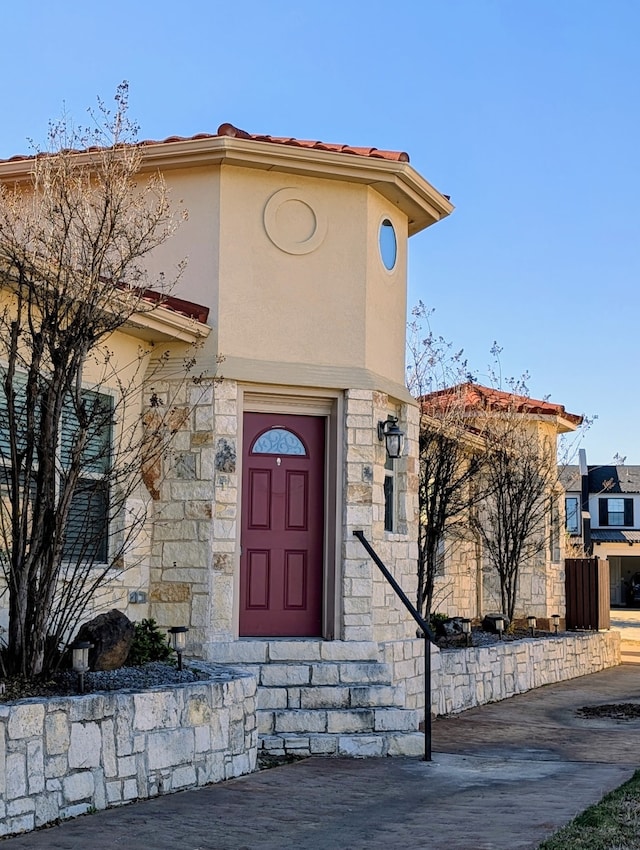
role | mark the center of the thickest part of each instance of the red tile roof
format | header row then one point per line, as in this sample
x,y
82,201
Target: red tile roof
x,y
476,397
178,305
233,132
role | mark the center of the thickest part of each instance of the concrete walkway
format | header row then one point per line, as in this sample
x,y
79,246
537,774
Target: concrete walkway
x,y
627,622
503,777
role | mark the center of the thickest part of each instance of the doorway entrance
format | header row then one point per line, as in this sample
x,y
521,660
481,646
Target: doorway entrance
x,y
282,527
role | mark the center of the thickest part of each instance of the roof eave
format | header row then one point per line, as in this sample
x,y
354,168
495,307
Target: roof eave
x,y
399,182
164,325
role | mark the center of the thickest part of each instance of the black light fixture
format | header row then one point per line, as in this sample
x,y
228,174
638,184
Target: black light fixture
x,y
531,622
466,629
555,619
80,660
179,641
392,436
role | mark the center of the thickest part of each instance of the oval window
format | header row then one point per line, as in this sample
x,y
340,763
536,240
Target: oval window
x,y
278,441
388,244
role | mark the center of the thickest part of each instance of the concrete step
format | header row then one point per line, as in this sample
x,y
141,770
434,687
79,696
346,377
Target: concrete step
x,y
284,650
331,696
335,721
358,746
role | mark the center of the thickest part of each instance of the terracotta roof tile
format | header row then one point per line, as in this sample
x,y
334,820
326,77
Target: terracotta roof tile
x,y
233,132
476,397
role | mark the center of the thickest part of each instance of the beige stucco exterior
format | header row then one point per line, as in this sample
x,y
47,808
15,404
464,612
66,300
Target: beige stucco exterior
x,y
281,245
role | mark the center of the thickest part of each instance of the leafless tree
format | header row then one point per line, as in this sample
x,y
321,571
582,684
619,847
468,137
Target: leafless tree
x,y
519,515
450,451
73,238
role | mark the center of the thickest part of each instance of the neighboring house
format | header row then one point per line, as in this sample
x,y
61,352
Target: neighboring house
x,y
297,252
602,509
467,584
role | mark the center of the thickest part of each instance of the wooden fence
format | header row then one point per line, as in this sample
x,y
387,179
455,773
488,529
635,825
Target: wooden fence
x,y
588,594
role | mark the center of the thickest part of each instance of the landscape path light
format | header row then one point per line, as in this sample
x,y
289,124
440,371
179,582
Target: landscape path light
x,y
555,619
499,621
80,659
179,641
531,622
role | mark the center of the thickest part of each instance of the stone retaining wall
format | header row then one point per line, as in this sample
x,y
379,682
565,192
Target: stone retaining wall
x,y
465,678
62,757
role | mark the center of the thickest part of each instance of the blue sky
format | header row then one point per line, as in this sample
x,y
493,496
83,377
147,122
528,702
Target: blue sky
x,y
524,111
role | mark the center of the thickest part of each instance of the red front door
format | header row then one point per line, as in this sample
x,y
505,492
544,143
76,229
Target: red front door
x,y
282,526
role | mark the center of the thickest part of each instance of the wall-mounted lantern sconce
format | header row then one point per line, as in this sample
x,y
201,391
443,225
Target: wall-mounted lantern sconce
x,y
532,622
392,436
466,630
555,620
499,621
179,641
80,660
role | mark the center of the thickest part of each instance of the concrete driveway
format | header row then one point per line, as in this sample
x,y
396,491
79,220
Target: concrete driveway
x,y
503,777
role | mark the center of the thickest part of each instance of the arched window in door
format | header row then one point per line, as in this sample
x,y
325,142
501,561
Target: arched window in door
x,y
278,441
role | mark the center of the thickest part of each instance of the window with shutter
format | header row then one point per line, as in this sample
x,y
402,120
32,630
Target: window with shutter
x,y
88,525
615,512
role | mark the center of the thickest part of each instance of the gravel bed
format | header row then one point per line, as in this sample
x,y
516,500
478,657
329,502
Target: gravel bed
x,y
152,675
481,638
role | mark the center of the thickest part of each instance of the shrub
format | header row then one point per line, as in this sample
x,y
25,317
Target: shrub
x,y
149,644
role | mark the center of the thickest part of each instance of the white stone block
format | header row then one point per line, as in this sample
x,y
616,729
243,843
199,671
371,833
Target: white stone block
x,y
169,748
56,730
16,777
300,721
85,744
361,672
35,766
24,823
360,746
47,809
345,722
114,792
325,674
324,697
294,650
395,719
272,698
129,789
266,722
183,777
20,806
155,710
26,721
323,745
341,650
275,675
78,786
126,767
410,744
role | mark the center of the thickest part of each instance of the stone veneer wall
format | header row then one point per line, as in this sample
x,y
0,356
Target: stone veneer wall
x,y
62,757
465,678
195,522
371,609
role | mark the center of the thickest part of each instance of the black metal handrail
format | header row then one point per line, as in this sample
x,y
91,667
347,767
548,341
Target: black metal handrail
x,y
426,633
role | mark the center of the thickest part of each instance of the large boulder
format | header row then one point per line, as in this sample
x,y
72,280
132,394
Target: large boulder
x,y
111,635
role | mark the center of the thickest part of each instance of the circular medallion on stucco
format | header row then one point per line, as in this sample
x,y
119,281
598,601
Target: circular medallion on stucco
x,y
292,223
